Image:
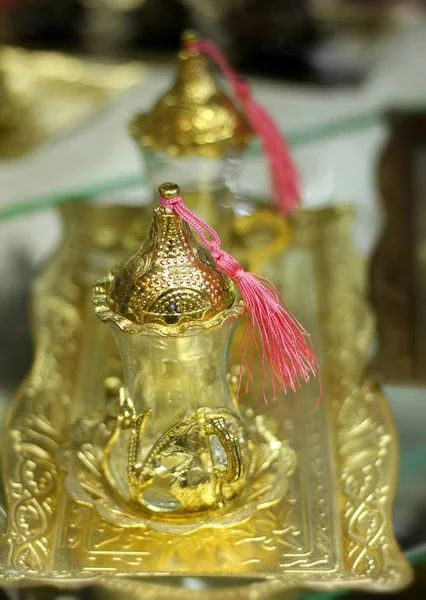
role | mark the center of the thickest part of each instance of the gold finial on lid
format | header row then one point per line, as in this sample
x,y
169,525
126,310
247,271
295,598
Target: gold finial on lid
x,y
169,190
194,117
189,36
169,280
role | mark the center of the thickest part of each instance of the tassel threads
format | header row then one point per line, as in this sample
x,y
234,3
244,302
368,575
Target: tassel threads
x,y
283,171
283,346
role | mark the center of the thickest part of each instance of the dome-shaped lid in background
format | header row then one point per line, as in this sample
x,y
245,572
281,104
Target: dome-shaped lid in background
x,y
194,117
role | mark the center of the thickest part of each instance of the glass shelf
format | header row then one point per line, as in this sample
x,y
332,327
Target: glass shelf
x,y
295,139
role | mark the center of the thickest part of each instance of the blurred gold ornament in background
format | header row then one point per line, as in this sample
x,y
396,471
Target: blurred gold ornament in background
x,y
194,117
195,134
46,94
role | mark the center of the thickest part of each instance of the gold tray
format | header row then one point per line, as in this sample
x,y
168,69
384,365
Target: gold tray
x,y
333,528
49,93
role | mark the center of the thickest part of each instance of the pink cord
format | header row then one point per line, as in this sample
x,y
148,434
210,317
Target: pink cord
x,y
283,346
283,171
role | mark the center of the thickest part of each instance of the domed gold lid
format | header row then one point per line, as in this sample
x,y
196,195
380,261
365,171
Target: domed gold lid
x,y
194,117
168,280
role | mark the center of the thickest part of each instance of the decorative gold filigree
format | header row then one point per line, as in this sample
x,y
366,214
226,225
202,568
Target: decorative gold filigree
x,y
170,281
127,419
365,434
42,409
101,293
85,464
173,447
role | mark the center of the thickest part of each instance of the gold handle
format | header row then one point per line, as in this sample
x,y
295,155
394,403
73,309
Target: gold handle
x,y
127,419
232,472
251,230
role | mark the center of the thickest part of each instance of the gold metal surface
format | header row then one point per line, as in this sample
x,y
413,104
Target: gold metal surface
x,y
169,279
194,117
48,93
332,527
169,190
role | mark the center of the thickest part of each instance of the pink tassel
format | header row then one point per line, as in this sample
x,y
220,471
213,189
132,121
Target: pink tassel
x,y
283,171
284,347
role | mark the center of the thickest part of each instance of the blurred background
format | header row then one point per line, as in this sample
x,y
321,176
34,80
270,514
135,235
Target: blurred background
x,y
343,78
327,42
